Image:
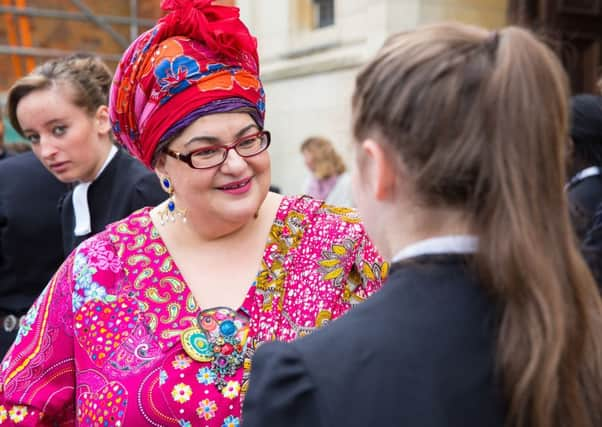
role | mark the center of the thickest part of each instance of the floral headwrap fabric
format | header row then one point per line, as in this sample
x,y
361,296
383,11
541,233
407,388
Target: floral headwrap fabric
x,y
199,59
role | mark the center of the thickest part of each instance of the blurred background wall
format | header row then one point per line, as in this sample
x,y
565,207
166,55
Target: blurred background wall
x,y
310,50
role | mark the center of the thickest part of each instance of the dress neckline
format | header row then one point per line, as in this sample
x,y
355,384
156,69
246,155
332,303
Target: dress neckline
x,y
245,306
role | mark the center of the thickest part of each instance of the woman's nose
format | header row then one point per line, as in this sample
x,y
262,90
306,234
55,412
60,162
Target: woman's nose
x,y
234,162
46,148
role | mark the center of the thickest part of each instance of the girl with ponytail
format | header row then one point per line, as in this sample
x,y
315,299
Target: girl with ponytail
x,y
490,316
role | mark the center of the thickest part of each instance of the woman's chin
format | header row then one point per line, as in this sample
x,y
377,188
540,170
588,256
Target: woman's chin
x,y
238,212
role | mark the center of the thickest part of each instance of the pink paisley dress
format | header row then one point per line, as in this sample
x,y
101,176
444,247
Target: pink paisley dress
x,y
117,338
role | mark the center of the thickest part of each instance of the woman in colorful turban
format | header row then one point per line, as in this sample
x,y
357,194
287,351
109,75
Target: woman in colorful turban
x,y
155,320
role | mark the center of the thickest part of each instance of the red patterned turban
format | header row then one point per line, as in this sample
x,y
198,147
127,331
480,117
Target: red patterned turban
x,y
199,59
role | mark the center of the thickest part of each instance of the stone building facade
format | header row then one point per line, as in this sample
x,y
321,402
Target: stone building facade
x,y
310,52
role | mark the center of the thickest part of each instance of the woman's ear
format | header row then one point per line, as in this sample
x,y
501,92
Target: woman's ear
x,y
160,166
103,122
379,170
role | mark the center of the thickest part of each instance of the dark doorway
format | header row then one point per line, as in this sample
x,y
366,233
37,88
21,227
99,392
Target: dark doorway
x,y
575,27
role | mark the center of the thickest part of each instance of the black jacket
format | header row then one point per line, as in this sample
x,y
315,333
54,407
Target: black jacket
x,y
123,187
584,197
420,352
30,230
591,246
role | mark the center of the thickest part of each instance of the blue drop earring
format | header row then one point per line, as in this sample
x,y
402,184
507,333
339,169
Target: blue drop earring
x,y
171,211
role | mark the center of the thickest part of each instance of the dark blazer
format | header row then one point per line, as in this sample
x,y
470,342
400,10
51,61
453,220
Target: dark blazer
x,y
123,187
584,197
30,231
591,247
420,352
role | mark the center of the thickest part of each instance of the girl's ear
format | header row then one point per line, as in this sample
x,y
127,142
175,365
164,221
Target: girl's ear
x,y
379,170
103,122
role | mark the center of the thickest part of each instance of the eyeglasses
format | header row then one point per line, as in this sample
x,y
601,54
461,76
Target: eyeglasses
x,y
214,155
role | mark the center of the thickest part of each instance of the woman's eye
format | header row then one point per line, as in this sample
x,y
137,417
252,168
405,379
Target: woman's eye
x,y
33,139
248,142
207,152
59,130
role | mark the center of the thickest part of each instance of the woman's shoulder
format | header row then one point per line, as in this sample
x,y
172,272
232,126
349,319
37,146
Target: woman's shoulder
x,y
99,262
132,227
318,213
317,226
138,223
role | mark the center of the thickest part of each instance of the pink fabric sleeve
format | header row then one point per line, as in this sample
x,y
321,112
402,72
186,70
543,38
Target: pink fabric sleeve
x,y
37,377
370,266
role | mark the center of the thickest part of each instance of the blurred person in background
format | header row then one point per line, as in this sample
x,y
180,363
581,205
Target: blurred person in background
x,y
3,151
19,147
154,321
31,247
490,317
591,246
61,109
585,184
329,180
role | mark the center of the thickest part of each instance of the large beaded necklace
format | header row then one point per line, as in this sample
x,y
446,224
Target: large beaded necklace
x,y
220,338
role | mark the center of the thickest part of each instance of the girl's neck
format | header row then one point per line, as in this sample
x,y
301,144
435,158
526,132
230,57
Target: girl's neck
x,y
412,225
102,155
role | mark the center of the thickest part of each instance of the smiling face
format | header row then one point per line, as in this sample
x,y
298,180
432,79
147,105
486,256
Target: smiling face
x,y
232,191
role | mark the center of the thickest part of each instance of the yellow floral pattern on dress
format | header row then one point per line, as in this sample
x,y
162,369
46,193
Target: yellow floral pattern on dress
x,y
346,214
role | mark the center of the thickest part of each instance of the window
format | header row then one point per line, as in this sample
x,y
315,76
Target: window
x,y
323,13
309,15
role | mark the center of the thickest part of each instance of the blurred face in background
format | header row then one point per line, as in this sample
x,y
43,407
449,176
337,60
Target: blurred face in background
x,y
70,142
309,159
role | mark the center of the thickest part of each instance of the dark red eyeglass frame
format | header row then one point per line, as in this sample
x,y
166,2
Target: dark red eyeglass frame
x,y
187,158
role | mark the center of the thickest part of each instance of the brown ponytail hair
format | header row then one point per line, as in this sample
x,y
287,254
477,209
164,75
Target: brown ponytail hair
x,y
480,121
88,77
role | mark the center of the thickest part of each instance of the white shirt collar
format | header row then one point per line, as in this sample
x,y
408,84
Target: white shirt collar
x,y
583,174
458,244
79,199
